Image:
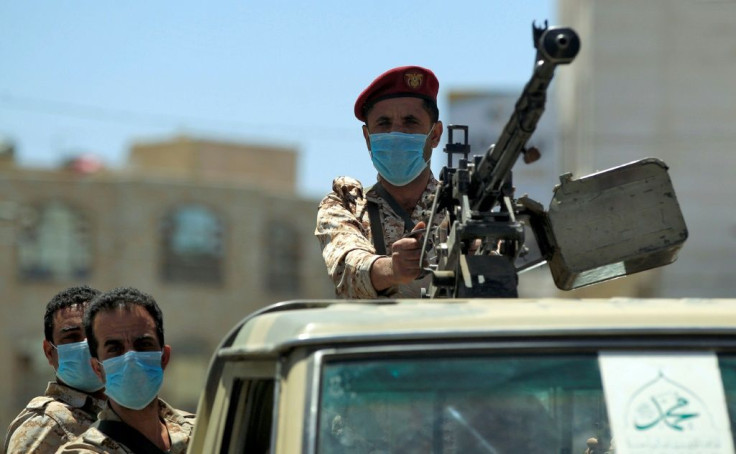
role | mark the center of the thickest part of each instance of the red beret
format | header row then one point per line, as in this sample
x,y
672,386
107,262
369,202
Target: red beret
x,y
411,81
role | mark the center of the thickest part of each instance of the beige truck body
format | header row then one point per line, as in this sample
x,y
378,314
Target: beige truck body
x,y
271,383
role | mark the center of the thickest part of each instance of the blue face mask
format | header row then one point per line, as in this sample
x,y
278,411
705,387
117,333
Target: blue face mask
x,y
74,368
398,157
134,379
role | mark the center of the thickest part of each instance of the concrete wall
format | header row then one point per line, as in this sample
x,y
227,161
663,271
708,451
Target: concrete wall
x,y
267,167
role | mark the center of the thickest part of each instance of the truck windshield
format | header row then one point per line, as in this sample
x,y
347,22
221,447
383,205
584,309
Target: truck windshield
x,y
498,404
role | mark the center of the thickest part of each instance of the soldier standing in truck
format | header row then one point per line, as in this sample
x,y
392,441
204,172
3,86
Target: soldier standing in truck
x,y
366,233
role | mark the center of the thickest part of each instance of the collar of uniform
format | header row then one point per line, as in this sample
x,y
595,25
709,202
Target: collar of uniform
x,y
168,413
165,411
425,200
108,414
372,196
429,191
73,397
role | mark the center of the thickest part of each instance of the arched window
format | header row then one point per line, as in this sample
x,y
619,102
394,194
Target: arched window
x,y
54,243
192,237
283,258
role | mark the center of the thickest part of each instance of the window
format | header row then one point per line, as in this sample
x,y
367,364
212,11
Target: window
x,y
249,418
192,246
470,403
54,244
504,404
283,255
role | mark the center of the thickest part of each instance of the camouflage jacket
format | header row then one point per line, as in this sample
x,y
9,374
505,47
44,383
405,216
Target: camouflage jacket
x,y
179,423
51,420
344,233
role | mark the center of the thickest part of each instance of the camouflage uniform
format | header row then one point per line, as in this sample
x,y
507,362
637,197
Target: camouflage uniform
x,y
51,420
344,233
179,424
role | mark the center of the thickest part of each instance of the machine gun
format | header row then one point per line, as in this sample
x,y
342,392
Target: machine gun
x,y
480,243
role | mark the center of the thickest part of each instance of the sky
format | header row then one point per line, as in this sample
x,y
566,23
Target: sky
x,y
91,76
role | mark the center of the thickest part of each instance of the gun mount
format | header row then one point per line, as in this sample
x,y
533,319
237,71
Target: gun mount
x,y
481,242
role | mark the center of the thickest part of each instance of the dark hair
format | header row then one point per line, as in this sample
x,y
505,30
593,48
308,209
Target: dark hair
x,y
79,295
432,110
121,297
429,106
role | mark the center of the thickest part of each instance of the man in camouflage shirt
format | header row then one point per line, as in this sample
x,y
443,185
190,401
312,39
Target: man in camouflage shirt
x,y
71,403
179,424
401,127
126,339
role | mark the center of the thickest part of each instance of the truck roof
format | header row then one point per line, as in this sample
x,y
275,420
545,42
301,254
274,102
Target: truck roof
x,y
287,325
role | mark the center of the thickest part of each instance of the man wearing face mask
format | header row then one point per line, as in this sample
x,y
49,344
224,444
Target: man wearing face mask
x,y
126,339
71,403
366,234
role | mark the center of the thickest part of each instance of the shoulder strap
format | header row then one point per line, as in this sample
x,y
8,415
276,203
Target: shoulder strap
x,y
376,227
408,223
39,403
375,217
124,434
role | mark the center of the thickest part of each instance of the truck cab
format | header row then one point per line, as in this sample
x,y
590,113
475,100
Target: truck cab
x,y
478,375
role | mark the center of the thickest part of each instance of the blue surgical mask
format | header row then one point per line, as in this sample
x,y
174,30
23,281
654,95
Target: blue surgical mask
x,y
134,379
75,369
398,157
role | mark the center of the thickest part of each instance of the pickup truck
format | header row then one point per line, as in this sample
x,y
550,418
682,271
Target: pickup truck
x,y
475,376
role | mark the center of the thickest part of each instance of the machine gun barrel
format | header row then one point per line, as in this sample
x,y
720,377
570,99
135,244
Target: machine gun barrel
x,y
599,227
555,46
477,247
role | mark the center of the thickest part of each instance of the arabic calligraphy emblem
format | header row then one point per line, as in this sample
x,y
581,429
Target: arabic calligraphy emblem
x,y
666,405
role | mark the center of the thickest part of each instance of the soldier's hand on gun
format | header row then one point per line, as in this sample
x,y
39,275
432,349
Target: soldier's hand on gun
x,y
405,255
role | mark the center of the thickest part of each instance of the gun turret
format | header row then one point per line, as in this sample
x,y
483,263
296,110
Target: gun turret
x,y
599,227
476,197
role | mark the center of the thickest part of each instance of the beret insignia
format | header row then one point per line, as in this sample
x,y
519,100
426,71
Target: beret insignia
x,y
414,80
